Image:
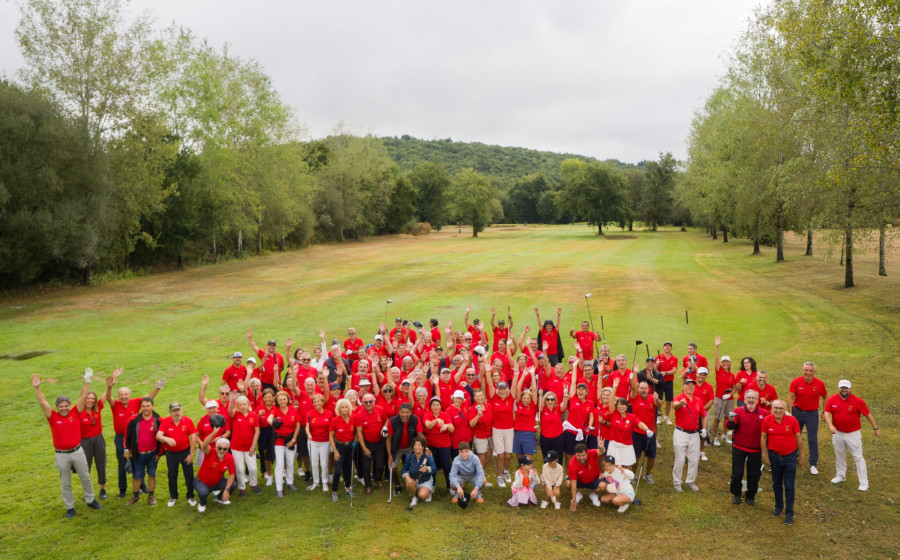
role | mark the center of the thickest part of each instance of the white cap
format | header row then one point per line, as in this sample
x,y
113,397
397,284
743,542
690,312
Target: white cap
x,y
211,404
725,359
702,370
379,337
251,360
458,394
478,350
843,383
364,381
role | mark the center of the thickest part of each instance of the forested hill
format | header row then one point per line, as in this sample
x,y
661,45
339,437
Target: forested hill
x,y
505,163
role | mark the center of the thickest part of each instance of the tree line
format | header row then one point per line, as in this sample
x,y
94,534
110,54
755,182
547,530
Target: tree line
x,y
127,146
802,132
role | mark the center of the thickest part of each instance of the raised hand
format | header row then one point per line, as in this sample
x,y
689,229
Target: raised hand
x,y
468,308
249,333
289,341
718,341
205,379
36,380
161,383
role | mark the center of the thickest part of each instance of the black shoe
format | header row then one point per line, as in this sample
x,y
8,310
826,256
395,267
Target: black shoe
x,y
736,500
776,512
70,513
789,519
144,490
122,495
308,476
750,502
102,494
95,505
397,491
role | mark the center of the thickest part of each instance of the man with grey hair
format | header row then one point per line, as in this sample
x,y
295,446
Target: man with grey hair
x,y
804,395
66,430
210,478
124,408
746,421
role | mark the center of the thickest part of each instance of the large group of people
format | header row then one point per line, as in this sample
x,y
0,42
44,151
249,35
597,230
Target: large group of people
x,y
416,400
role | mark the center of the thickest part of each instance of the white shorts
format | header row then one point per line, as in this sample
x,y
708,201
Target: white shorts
x,y
503,440
481,445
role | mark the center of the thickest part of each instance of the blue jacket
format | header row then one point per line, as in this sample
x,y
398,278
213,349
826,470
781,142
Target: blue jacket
x,y
412,465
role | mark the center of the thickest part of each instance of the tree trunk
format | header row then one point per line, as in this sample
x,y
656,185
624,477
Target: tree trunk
x,y
87,280
282,238
599,229
842,253
779,233
882,250
180,261
848,241
724,234
258,237
240,243
215,254
715,233
474,230
630,225
756,236
809,241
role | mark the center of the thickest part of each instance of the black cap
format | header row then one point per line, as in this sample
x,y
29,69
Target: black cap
x,y
524,460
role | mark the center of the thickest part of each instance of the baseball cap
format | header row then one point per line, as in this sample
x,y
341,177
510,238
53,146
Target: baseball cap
x,y
272,343
667,343
364,382
405,382
210,404
251,360
334,386
702,370
438,399
610,459
398,319
551,456
502,385
651,359
725,359
459,394
379,337
174,406
843,383
237,355
690,380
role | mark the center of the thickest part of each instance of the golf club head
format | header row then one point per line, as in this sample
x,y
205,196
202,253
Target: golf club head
x,y
587,296
638,342
390,301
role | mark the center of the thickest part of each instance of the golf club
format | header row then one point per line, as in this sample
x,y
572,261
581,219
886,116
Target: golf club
x,y
637,344
637,501
390,481
386,310
352,472
648,350
688,325
602,330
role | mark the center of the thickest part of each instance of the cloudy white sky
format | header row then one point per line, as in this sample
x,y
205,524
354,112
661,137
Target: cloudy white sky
x,y
609,79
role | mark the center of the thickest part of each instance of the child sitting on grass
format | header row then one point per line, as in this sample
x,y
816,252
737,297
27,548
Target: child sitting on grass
x,y
552,477
524,483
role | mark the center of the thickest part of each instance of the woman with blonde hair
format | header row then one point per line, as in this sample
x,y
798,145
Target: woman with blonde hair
x,y
341,434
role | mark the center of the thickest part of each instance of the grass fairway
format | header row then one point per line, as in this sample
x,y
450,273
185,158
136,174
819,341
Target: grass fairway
x,y
183,325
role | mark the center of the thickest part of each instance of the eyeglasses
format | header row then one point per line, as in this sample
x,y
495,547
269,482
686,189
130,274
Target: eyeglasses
x,y
368,402
221,448
550,399
304,360
223,392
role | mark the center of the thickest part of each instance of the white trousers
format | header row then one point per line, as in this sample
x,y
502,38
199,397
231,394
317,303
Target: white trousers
x,y
849,441
319,452
64,464
242,458
284,457
687,446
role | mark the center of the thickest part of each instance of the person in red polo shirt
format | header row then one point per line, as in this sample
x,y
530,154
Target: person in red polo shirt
x,y
667,364
644,404
767,392
175,434
705,392
370,420
784,453
501,329
272,363
211,476
244,438
585,339
724,401
746,421
352,344
64,427
842,413
142,449
123,409
584,472
92,440
690,426
235,372
549,333
803,400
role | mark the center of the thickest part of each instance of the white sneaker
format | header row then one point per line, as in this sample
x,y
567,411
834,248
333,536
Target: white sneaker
x,y
623,509
716,442
703,457
557,505
863,487
506,476
595,499
727,440
192,502
500,482
488,484
300,471
172,502
838,479
578,497
313,486
414,501
324,487
649,478
668,422
813,470
544,504
270,480
428,499
201,509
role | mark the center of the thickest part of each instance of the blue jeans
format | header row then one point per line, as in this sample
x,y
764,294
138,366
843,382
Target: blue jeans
x,y
811,421
784,472
203,491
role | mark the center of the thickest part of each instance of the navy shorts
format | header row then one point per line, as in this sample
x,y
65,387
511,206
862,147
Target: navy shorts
x,y
592,485
667,390
144,461
643,444
524,443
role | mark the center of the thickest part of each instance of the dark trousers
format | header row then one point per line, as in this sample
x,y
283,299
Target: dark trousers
x,y
343,466
811,421
377,458
443,461
739,458
203,491
557,444
173,461
119,440
784,471
266,447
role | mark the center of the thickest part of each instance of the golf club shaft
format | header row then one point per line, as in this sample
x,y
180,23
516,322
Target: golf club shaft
x,y
687,324
596,353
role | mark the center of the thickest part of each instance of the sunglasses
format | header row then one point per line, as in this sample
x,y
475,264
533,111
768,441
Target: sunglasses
x,y
305,360
550,400
223,392
222,448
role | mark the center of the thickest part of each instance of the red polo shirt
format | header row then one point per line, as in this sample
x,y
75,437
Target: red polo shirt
x,y
683,416
123,414
845,414
781,436
65,429
180,433
807,395
213,469
588,472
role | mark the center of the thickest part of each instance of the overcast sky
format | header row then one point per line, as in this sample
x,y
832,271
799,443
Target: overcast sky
x,y
608,79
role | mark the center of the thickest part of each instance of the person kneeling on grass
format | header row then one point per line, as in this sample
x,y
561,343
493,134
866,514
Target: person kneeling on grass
x,y
618,485
552,478
418,473
466,468
584,472
211,476
523,484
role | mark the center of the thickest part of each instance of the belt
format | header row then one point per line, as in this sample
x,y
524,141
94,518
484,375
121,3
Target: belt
x,y
343,442
680,429
67,451
153,452
801,410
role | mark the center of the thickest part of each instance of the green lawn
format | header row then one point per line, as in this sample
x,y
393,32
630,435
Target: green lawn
x,y
183,325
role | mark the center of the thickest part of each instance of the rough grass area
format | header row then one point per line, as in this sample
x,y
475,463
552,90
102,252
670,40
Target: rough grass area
x,y
183,325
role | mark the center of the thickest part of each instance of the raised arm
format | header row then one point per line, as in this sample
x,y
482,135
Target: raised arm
x,y
252,344
204,381
42,400
85,389
466,319
716,363
107,395
493,315
558,317
538,315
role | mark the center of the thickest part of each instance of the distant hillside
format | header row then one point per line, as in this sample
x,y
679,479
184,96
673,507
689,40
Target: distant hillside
x,y
504,163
